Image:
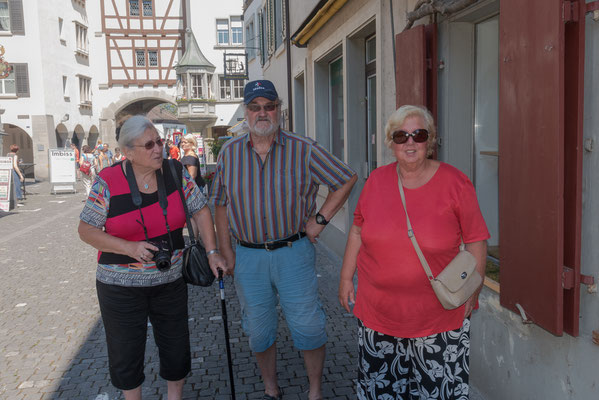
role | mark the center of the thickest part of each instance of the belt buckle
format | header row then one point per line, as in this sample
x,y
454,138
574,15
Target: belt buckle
x,y
267,244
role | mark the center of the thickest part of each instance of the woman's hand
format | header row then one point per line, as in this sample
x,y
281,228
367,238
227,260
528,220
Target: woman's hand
x,y
347,294
141,251
217,262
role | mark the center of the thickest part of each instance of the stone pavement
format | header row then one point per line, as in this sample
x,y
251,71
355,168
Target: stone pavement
x,y
52,340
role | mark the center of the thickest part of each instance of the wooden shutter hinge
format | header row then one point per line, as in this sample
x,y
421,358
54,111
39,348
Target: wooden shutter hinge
x,y
570,11
568,280
593,7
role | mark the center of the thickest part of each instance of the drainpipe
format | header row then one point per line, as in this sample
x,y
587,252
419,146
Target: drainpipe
x,y
288,51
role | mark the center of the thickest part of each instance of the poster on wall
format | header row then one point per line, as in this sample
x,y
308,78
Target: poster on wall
x,y
5,181
62,170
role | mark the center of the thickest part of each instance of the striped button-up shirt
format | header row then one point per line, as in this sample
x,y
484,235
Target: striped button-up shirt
x,y
273,199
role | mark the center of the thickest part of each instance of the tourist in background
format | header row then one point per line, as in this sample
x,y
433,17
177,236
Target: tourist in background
x,y
190,159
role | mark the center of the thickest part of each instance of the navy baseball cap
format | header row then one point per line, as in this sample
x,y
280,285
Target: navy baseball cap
x,y
259,88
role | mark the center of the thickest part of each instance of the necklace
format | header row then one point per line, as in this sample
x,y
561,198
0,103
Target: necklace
x,y
146,186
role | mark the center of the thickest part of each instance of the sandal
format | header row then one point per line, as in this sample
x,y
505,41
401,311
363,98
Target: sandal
x,y
269,397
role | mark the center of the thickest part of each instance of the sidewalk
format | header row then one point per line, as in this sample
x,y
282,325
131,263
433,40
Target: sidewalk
x,y
52,341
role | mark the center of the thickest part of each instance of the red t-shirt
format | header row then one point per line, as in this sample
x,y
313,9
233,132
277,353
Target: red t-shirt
x,y
394,295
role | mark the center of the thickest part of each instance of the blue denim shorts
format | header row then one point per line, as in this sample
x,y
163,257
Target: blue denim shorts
x,y
285,275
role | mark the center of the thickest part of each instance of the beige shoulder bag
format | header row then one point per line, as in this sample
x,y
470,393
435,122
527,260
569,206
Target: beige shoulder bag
x,y
458,280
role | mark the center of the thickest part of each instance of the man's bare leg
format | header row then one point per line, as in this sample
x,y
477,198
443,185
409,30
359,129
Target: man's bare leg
x,y
267,362
314,360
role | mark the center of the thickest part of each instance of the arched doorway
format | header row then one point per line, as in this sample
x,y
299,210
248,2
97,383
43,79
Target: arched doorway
x,y
78,136
62,136
16,135
92,138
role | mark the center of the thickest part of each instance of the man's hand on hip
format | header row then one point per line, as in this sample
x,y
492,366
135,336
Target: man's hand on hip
x,y
313,229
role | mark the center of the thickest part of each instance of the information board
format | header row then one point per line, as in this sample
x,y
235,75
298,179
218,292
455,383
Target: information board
x,y
5,182
62,170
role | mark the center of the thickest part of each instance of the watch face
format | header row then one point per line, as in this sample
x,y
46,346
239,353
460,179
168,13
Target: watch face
x,y
320,219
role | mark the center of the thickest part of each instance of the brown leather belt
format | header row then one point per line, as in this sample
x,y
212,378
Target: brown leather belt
x,y
277,244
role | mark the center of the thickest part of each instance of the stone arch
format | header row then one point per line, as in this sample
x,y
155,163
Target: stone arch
x,y
78,136
130,103
92,138
17,135
62,135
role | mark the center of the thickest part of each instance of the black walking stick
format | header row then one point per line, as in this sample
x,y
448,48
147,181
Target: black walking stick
x,y
221,285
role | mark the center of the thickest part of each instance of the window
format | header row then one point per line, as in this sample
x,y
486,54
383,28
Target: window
x,y
231,89
238,85
153,58
4,16
8,85
197,90
134,7
336,107
65,87
147,6
81,34
61,30
278,23
222,31
250,40
140,58
85,91
370,50
225,89
17,82
11,17
236,31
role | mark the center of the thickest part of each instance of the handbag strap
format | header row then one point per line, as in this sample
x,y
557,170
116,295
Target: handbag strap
x,y
427,269
192,237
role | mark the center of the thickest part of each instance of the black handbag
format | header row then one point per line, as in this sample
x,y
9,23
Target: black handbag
x,y
196,269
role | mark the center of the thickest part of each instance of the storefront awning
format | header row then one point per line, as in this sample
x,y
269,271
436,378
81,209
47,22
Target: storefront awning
x,y
321,14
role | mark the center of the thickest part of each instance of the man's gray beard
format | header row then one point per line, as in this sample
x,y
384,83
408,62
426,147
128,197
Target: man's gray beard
x,y
270,130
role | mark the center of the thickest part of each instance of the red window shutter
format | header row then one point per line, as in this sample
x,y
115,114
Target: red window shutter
x,y
531,164
410,79
17,22
21,79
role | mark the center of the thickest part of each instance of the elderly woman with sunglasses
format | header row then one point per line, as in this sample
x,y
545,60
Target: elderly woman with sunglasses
x,y
131,287
410,347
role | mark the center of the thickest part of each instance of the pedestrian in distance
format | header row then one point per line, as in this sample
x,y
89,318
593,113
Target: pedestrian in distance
x,y
118,156
87,178
410,346
264,191
103,160
139,238
17,175
190,159
76,150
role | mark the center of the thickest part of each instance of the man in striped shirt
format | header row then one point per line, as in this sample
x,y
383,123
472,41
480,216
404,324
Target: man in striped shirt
x,y
264,191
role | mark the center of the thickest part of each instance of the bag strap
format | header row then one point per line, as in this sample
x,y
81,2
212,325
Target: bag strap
x,y
427,269
192,237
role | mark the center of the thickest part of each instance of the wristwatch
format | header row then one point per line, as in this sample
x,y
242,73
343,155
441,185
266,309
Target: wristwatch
x,y
320,219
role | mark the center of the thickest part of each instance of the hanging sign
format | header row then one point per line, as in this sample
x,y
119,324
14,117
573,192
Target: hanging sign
x,y
5,181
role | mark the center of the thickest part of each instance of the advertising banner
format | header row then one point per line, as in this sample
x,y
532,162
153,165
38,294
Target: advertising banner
x,y
62,170
5,182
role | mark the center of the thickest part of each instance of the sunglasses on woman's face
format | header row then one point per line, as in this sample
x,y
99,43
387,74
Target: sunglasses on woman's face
x,y
150,145
401,137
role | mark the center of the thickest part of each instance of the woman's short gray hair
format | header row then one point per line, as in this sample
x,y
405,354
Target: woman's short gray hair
x,y
133,128
400,115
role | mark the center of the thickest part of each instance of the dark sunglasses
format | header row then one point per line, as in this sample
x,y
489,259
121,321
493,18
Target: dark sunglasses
x,y
419,136
150,145
257,107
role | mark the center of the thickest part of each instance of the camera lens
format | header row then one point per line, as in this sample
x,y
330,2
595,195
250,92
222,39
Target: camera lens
x,y
162,256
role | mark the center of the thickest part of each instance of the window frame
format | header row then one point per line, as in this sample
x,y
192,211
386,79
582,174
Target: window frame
x,y
221,21
130,8
137,53
85,94
11,77
7,16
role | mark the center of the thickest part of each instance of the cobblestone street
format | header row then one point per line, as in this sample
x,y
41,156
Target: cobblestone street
x,y
52,339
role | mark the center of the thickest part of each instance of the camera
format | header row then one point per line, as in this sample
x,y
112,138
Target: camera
x,y
162,256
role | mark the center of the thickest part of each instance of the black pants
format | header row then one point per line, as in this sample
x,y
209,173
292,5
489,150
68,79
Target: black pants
x,y
125,312
431,367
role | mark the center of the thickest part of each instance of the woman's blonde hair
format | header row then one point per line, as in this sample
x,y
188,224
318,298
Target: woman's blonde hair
x,y
400,115
191,139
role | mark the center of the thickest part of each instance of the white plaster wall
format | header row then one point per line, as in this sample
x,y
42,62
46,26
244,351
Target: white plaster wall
x,y
254,67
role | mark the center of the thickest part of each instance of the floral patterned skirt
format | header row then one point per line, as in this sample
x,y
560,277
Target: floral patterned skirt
x,y
426,368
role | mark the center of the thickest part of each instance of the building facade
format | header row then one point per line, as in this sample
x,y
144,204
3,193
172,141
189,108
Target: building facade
x,y
513,87
80,67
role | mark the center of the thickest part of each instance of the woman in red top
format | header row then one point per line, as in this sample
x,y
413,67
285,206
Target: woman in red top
x,y
409,345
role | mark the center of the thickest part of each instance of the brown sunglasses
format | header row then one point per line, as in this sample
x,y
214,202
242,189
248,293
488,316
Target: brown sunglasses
x,y
401,137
